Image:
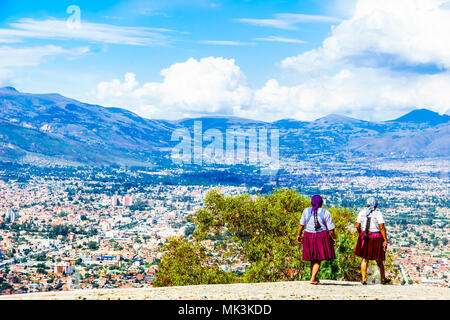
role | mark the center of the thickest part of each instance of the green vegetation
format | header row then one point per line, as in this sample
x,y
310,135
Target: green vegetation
x,y
50,231
139,206
92,245
129,225
185,263
262,231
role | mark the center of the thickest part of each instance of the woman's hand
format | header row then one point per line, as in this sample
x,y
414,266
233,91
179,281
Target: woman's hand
x,y
333,236
299,234
385,245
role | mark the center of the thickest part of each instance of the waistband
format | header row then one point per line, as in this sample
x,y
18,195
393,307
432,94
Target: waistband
x,y
317,232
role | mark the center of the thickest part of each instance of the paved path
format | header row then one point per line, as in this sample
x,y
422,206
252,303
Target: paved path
x,y
261,291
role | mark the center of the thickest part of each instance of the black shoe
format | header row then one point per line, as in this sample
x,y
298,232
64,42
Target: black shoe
x,y
364,282
385,281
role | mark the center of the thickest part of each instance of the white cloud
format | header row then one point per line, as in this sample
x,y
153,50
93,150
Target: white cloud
x,y
196,88
381,39
11,57
16,57
288,21
95,32
340,8
370,94
408,32
378,64
280,39
227,43
208,85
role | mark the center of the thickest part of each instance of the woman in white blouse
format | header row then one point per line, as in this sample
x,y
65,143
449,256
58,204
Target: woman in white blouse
x,y
372,239
319,238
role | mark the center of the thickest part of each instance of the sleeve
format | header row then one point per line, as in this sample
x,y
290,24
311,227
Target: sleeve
x,y
304,216
359,218
329,220
380,218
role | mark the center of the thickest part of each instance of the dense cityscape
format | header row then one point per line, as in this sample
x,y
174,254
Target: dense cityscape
x,y
87,228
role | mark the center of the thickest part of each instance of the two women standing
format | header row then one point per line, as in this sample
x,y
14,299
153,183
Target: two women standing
x,y
319,238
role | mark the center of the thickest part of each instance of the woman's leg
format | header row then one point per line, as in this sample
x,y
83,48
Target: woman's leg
x,y
311,265
315,266
381,266
364,264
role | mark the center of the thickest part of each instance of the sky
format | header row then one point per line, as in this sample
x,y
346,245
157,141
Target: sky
x,y
265,60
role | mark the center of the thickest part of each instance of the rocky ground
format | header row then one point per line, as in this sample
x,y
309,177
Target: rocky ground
x,y
260,291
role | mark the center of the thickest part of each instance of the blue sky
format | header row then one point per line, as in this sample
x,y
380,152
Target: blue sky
x,y
192,21
257,59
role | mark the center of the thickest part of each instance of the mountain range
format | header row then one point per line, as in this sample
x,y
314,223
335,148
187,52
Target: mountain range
x,y
53,129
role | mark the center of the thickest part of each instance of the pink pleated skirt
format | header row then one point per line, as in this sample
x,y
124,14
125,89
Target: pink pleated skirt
x,y
318,246
371,249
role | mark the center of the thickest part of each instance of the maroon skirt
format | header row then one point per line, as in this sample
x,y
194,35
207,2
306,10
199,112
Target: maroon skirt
x,y
318,246
371,249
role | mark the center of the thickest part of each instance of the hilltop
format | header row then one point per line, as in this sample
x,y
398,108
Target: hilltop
x,y
287,290
423,116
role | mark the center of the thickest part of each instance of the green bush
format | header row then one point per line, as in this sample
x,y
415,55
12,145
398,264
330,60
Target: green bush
x,y
262,231
92,245
184,263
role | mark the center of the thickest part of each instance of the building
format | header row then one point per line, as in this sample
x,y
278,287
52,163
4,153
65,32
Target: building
x,y
128,200
59,269
63,268
10,215
107,259
105,225
115,200
124,201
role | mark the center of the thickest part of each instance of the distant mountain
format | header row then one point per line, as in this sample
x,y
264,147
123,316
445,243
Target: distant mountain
x,y
8,89
289,124
50,128
219,122
57,126
423,116
336,118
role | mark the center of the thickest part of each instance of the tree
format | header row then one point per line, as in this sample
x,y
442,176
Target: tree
x,y
264,230
41,270
185,263
435,242
189,230
5,286
93,245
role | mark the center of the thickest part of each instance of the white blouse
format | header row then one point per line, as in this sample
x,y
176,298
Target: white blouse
x,y
323,216
376,218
